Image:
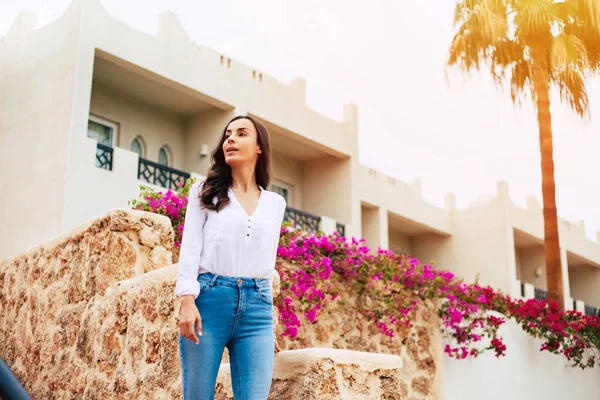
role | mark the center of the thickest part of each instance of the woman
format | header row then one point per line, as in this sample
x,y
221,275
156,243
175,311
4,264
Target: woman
x,y
226,264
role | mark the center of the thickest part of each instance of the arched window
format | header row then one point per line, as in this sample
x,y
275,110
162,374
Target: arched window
x,y
163,156
137,147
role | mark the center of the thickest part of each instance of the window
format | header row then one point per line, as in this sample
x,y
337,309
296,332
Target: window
x,y
102,133
163,156
105,134
281,191
284,189
136,147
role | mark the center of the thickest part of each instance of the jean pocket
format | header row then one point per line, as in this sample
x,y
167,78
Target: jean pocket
x,y
204,283
265,294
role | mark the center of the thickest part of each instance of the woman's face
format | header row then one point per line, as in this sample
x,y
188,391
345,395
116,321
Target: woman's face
x,y
241,143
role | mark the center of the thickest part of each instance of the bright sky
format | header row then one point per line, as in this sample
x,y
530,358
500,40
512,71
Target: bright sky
x,y
387,56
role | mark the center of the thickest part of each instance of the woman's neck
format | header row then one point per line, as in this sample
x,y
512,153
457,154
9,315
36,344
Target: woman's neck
x,y
244,179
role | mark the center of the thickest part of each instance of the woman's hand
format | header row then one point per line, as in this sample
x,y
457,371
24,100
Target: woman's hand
x,y
188,316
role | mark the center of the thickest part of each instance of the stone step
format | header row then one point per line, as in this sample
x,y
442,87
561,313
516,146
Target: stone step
x,y
325,373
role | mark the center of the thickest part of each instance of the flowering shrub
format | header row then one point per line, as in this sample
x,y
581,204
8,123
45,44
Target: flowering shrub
x,y
395,284
170,204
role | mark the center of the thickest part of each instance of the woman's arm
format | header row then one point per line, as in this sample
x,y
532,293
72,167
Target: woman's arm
x,y
191,245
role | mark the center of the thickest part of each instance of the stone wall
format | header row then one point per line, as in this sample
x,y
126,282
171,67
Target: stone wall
x,y
58,300
342,325
92,315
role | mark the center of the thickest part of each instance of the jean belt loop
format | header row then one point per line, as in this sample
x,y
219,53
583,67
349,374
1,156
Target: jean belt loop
x,y
213,280
256,284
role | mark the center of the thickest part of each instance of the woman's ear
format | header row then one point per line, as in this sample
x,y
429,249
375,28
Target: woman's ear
x,y
259,151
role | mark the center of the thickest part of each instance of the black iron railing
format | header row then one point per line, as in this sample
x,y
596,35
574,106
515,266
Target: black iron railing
x,y
302,220
540,294
522,290
104,156
340,229
160,175
591,311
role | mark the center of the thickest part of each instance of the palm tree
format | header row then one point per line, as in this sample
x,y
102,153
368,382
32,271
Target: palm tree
x,y
531,46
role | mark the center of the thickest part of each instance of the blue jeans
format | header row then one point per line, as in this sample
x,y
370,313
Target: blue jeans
x,y
236,313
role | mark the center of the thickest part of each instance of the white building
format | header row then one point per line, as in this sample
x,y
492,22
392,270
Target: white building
x,y
91,107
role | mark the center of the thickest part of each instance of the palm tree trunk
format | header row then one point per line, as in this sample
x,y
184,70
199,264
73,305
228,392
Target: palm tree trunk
x,y
554,276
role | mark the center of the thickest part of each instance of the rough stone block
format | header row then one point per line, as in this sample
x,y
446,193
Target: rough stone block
x,y
321,373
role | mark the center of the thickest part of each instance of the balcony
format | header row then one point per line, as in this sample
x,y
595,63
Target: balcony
x,y
528,291
166,177
302,220
590,311
340,229
104,156
160,175
540,294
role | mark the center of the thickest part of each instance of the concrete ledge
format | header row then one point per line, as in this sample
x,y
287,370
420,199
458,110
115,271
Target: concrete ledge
x,y
293,362
324,373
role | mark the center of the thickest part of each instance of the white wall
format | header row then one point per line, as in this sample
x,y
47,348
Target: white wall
x,y
528,259
156,126
36,92
204,129
290,171
400,243
96,190
400,198
585,284
479,244
327,189
524,373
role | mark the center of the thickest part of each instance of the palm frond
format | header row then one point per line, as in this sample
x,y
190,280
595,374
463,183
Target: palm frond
x,y
568,65
565,11
533,18
581,24
464,51
504,55
482,24
512,36
589,12
571,83
520,81
567,50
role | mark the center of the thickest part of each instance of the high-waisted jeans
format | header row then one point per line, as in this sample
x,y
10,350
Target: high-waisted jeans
x,y
236,313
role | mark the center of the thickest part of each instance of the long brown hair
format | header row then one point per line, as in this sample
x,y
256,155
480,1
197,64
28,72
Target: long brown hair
x,y
219,179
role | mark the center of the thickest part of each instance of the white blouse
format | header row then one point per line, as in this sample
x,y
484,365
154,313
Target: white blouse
x,y
230,242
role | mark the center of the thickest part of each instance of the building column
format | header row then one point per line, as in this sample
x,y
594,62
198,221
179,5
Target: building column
x,y
375,228
564,264
383,225
513,284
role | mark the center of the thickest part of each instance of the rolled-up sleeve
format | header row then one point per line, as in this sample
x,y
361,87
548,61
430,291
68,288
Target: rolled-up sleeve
x,y
191,245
